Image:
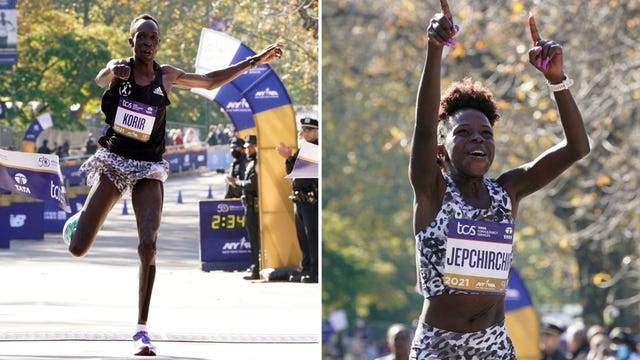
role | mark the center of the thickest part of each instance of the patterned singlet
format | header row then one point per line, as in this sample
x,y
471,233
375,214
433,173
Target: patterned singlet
x,y
431,243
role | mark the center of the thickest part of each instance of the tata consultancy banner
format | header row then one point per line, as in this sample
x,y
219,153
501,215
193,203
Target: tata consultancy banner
x,y
8,32
34,175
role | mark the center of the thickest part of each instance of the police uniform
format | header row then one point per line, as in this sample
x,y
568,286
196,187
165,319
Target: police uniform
x,y
305,199
237,167
249,187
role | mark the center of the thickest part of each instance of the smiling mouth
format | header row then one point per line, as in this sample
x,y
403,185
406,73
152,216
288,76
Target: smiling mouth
x,y
478,153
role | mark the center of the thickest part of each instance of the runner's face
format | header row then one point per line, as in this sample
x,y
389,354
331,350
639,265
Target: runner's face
x,y
470,143
145,40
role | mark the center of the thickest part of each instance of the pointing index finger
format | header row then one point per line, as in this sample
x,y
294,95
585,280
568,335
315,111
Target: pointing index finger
x,y
535,36
444,5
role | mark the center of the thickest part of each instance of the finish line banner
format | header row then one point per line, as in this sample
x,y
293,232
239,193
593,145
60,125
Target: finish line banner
x,y
34,175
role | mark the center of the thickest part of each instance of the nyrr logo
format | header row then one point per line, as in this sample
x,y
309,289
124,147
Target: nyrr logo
x,y
223,208
238,106
267,94
243,244
17,220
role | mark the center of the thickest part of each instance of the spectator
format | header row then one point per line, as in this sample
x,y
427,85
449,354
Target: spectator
x,y
221,136
63,150
623,344
600,347
577,345
177,137
44,148
191,139
90,147
211,136
168,139
399,343
550,342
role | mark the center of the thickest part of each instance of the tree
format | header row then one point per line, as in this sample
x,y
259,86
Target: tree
x,y
581,225
100,30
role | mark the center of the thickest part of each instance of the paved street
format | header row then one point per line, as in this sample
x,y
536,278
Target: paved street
x,y
54,306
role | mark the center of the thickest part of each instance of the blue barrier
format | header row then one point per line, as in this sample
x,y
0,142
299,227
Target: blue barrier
x,y
219,158
54,217
72,175
26,220
4,221
224,244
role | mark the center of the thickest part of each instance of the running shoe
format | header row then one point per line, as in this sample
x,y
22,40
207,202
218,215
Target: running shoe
x,y
70,225
143,344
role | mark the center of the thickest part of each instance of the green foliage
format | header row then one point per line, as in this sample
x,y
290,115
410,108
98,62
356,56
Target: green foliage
x,y
58,67
581,224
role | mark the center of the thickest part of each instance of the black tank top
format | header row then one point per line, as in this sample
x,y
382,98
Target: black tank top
x,y
136,116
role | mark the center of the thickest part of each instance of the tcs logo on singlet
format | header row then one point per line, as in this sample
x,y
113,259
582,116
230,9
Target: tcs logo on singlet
x,y
466,229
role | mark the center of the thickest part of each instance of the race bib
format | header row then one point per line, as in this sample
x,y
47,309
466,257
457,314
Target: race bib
x,y
134,119
478,256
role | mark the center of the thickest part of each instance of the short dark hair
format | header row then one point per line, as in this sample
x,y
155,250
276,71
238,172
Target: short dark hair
x,y
132,27
466,94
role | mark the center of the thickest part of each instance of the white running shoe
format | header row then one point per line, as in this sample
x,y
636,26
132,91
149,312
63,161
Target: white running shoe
x,y
143,344
70,225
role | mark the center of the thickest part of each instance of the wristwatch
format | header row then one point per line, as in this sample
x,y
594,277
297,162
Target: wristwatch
x,y
564,85
252,62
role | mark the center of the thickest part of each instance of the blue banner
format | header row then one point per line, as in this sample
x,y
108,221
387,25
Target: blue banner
x,y
521,318
41,123
224,244
5,202
8,33
33,175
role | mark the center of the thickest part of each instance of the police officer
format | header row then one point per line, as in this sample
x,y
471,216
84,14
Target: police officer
x,y
305,199
237,166
249,187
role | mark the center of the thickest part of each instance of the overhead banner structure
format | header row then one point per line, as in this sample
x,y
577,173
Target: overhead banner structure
x,y
41,123
522,320
258,104
37,176
8,32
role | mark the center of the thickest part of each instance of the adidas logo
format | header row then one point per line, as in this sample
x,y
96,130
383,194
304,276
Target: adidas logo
x,y
158,91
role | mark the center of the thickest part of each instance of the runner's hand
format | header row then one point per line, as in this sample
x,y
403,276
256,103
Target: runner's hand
x,y
545,55
442,28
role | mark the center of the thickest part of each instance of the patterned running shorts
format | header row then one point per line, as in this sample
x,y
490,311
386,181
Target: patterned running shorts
x,y
492,343
123,172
